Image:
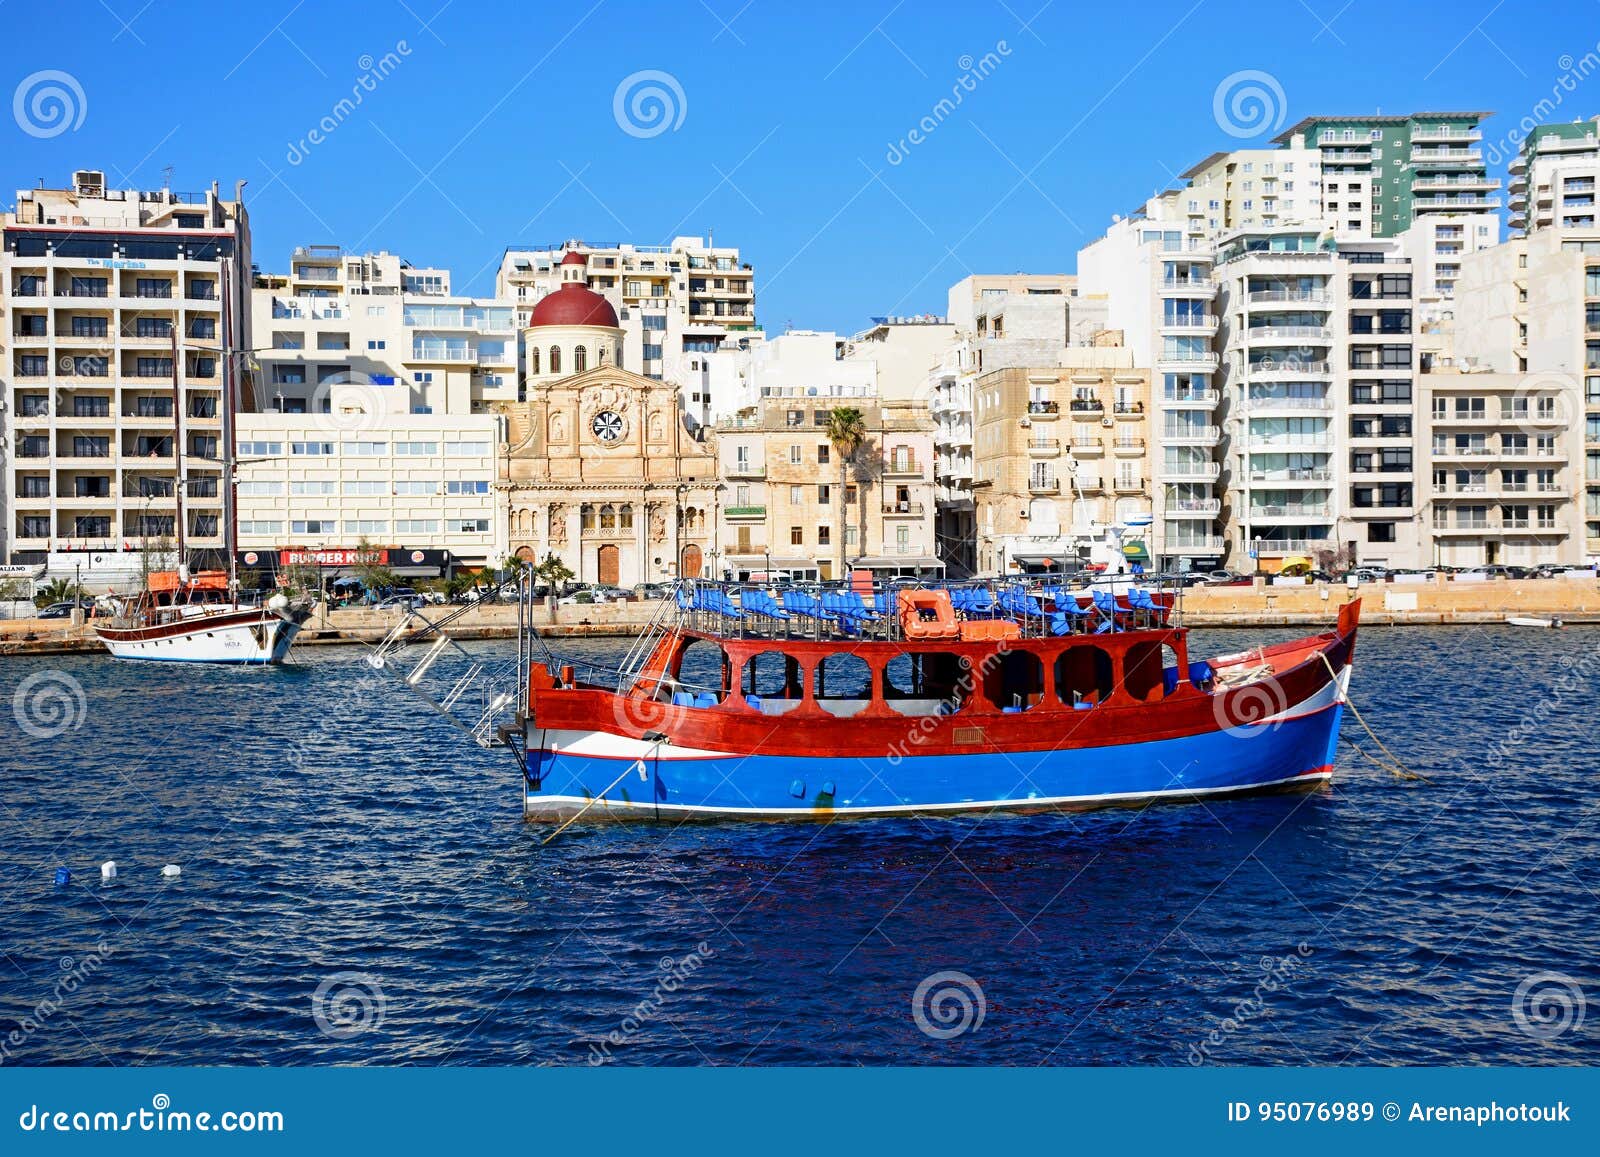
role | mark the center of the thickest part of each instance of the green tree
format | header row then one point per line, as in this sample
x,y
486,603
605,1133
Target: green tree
x,y
552,572
59,590
373,575
846,430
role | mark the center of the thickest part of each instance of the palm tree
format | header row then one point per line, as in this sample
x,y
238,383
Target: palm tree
x,y
553,572
847,430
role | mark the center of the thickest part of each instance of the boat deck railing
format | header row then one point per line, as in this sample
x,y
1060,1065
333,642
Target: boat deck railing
x,y
1037,608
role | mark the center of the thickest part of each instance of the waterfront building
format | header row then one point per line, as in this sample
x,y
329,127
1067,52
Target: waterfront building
x,y
676,303
1154,284
1552,181
377,392
1517,422
782,502
97,285
601,469
1060,459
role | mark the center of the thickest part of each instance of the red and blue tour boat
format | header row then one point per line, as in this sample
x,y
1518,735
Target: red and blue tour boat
x,y
816,703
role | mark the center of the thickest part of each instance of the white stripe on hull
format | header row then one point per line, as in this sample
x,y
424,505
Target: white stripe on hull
x,y
556,807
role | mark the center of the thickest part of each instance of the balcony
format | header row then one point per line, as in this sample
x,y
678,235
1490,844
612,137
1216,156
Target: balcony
x,y
1297,511
1447,133
1194,544
1127,486
1193,324
1418,204
1273,402
745,513
1128,447
1188,287
1192,363
1039,409
1206,398
1198,471
1277,546
1194,508
1287,370
1301,477
1192,435
1087,447
1450,158
1089,406
1128,409
1282,334
1088,483
902,468
1045,447
1044,484
902,509
1463,452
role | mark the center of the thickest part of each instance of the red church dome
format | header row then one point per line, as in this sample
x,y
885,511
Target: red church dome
x,y
574,305
573,257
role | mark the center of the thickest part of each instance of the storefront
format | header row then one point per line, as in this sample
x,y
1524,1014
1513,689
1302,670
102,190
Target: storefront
x,y
348,562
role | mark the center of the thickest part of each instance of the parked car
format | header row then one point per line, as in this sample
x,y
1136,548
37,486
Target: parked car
x,y
1369,574
1492,571
1226,578
588,596
409,602
651,591
58,611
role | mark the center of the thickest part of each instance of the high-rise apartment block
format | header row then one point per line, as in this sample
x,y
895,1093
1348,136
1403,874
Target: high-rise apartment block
x,y
112,366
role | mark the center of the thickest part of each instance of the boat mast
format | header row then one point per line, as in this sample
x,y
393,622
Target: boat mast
x,y
230,539
177,461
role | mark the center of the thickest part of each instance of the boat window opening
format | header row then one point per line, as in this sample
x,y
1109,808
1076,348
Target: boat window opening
x,y
843,684
1141,671
1083,676
1013,681
928,683
701,674
773,682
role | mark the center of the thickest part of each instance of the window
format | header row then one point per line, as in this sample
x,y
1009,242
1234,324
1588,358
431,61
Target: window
x,y
311,488
260,449
467,526
822,454
580,359
824,494
422,378
260,489
555,359
366,449
416,489
466,487
313,526
258,526
467,449
366,489
377,344
311,447
366,526
797,536
416,526
824,535
416,449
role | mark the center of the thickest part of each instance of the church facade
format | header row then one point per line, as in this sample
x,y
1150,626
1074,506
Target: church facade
x,y
598,468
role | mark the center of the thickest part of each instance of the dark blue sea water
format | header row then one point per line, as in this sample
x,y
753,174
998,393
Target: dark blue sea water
x,y
357,887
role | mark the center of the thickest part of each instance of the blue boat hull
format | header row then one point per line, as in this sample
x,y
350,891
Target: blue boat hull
x,y
602,774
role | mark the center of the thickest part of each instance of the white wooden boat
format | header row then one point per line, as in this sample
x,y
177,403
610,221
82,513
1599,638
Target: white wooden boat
x,y
1534,621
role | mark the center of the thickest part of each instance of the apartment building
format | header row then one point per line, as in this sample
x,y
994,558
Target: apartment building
x,y
1517,412
676,303
1157,285
1060,461
1552,178
114,338
377,390
781,504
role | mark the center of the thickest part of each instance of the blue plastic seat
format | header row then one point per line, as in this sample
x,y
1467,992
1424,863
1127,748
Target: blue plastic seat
x,y
705,699
753,701
682,699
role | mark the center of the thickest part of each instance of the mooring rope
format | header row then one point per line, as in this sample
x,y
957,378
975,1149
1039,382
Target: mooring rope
x,y
1392,763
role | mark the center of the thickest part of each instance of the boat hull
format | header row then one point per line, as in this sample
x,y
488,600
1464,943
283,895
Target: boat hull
x,y
606,775
251,638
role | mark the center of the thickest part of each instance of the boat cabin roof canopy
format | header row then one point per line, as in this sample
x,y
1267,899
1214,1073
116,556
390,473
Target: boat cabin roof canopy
x,y
164,582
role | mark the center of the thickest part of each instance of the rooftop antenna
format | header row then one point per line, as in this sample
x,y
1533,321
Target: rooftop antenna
x,y
166,178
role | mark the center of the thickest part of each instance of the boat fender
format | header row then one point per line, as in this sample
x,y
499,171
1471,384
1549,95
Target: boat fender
x,y
827,787
375,661
172,870
108,870
798,789
63,877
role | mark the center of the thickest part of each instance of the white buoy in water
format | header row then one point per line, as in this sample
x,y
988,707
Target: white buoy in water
x,y
108,870
172,870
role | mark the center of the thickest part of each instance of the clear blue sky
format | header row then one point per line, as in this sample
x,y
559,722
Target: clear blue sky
x,y
495,123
